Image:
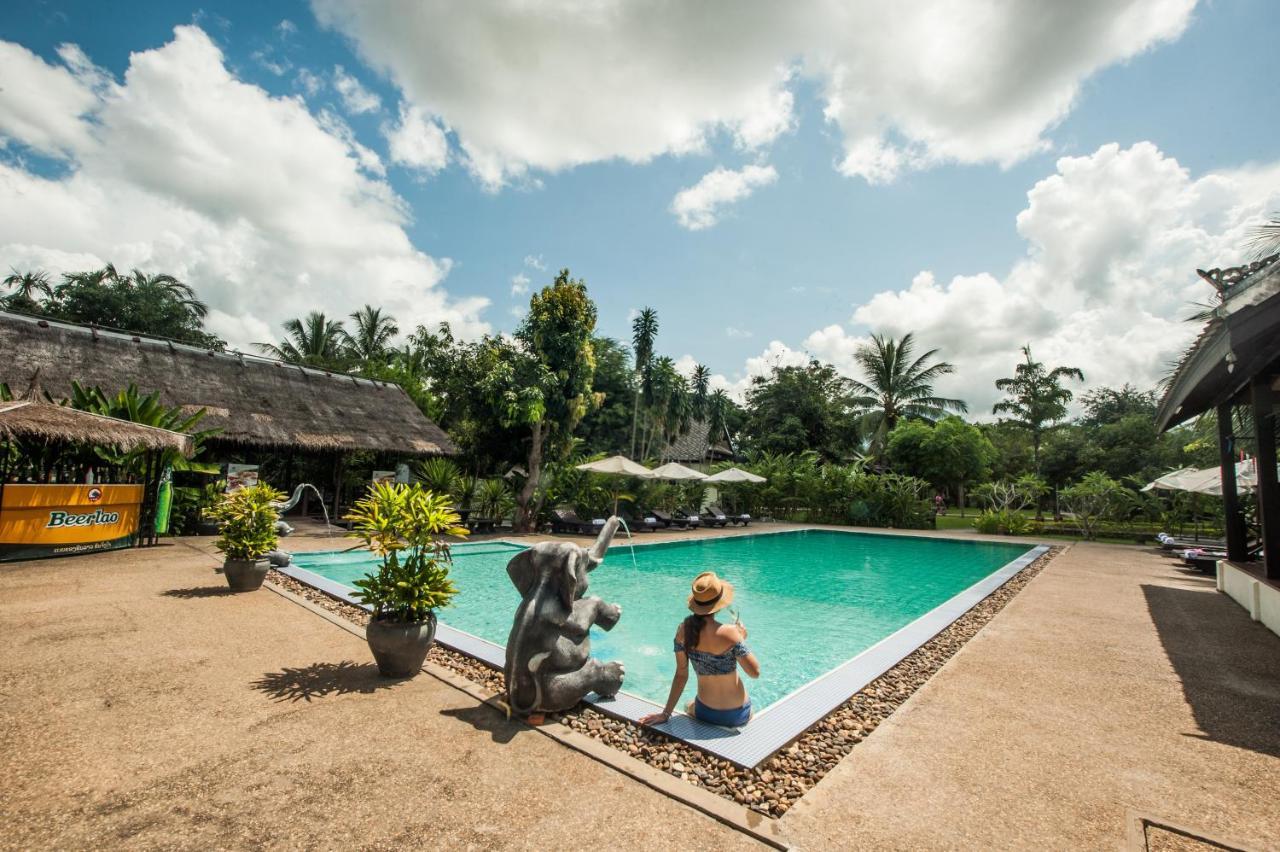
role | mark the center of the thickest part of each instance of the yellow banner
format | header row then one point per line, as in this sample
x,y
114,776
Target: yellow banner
x,y
59,520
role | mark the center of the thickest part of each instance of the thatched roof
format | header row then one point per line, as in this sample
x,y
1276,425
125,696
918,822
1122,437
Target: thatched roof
x,y
35,417
693,446
254,401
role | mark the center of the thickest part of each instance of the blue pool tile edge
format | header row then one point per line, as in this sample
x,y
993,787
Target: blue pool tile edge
x,y
785,719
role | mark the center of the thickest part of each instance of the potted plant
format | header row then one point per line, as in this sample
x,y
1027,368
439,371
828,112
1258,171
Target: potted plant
x,y
405,526
248,533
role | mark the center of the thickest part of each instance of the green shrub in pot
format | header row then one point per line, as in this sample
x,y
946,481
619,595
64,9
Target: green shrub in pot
x,y
248,532
405,526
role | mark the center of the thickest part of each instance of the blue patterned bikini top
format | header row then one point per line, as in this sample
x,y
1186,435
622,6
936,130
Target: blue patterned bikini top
x,y
714,664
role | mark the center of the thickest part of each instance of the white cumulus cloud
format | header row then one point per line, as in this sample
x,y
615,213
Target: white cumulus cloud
x,y
557,84
267,210
1106,284
519,284
417,142
698,206
356,99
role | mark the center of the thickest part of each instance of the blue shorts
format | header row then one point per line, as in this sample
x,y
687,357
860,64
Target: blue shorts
x,y
735,718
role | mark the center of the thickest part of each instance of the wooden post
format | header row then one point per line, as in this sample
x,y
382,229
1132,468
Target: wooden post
x,y
338,460
1237,546
1264,424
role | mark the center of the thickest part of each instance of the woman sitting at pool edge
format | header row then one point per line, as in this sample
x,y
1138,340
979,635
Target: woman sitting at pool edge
x,y
716,650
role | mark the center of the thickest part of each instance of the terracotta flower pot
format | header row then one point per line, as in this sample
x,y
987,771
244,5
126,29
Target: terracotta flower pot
x,y
245,575
400,648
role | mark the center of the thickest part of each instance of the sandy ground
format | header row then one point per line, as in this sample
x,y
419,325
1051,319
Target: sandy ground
x,y
141,705
1115,682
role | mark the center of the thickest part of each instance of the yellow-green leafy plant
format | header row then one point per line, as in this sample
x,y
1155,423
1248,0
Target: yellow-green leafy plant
x,y
406,526
248,521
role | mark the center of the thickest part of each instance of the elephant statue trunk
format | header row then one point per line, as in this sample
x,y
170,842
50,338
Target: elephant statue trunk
x,y
548,662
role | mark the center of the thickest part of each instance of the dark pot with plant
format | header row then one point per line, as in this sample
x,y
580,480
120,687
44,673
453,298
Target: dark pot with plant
x,y
405,526
248,533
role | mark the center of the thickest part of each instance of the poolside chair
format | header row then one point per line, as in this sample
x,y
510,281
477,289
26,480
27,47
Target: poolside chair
x,y
741,518
667,520
640,523
567,521
713,517
693,519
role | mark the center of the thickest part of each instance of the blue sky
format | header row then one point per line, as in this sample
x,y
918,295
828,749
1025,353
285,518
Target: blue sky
x,y
808,262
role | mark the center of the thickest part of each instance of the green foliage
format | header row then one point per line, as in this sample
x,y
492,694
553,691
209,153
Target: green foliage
x,y
404,525
898,386
137,302
803,488
796,409
1002,522
1091,500
441,476
130,404
493,499
248,521
1035,398
1012,497
315,341
949,454
606,429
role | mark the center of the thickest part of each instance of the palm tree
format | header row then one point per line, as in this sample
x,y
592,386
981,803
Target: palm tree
x,y
718,407
1036,399
315,341
897,386
26,286
1265,239
371,341
644,331
700,386
181,293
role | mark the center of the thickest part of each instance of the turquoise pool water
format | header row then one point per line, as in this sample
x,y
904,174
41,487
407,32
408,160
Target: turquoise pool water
x,y
811,599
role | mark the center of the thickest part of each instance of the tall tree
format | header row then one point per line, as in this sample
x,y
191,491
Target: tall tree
x,y
950,454
898,385
26,286
797,409
644,333
719,408
370,341
1035,398
315,341
559,362
606,429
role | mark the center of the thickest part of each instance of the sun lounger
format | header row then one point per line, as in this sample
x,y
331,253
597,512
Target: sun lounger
x,y
741,518
693,519
666,520
567,521
640,523
713,517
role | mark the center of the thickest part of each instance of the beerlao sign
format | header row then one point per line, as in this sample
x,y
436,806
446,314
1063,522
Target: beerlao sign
x,y
63,520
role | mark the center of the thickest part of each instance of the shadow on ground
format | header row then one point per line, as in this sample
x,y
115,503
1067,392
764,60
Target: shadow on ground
x,y
199,592
484,717
1229,665
320,680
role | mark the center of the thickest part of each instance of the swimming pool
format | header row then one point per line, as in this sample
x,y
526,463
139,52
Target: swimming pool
x,y
811,599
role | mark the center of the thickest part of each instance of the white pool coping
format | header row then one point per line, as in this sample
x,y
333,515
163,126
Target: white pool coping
x,y
785,719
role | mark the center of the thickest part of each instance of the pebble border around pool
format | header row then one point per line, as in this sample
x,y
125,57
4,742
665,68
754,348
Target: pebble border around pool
x,y
782,721
777,784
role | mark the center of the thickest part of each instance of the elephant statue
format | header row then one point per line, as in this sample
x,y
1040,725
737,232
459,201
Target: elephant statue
x,y
549,665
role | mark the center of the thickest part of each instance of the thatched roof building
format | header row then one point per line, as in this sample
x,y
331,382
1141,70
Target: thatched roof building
x,y
255,401
696,446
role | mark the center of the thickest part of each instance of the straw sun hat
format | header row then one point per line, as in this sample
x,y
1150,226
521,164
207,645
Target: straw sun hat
x,y
710,594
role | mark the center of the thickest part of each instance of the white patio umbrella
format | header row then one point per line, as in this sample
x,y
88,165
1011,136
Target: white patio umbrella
x,y
735,474
1171,481
616,466
674,471
1208,480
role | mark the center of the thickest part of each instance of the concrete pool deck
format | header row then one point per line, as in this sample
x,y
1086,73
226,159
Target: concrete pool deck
x,y
141,705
